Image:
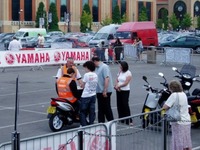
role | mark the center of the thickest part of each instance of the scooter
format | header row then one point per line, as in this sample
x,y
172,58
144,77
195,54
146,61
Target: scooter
x,y
61,113
187,76
154,100
194,108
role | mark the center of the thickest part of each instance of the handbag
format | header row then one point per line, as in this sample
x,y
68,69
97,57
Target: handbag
x,y
173,113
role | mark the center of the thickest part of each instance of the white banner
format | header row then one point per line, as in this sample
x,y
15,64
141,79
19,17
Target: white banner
x,y
42,57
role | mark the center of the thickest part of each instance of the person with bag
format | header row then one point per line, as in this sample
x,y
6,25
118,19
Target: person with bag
x,y
181,128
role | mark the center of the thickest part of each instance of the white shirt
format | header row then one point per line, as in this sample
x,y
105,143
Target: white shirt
x,y
122,78
14,45
185,117
41,40
90,79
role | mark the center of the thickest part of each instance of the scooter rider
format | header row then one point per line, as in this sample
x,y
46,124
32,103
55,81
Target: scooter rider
x,y
67,88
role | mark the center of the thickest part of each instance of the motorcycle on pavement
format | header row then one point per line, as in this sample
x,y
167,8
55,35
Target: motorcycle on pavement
x,y
154,100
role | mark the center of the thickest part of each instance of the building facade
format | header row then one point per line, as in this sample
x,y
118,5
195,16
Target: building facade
x,y
22,13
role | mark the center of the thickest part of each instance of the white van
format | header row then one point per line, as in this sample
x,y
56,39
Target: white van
x,y
105,34
30,32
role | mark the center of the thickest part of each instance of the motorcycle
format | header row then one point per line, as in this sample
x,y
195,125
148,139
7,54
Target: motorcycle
x,y
194,108
61,113
154,100
187,76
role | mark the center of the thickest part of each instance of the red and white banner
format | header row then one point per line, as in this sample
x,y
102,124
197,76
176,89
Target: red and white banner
x,y
43,57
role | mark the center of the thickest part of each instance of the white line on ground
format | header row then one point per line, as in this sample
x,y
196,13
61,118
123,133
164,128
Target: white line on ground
x,y
26,123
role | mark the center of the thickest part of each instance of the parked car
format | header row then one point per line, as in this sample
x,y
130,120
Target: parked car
x,y
55,33
185,41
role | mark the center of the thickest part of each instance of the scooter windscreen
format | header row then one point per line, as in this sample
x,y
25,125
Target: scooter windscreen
x,y
188,71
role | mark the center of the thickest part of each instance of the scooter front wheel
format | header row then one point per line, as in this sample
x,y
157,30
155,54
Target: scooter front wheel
x,y
55,123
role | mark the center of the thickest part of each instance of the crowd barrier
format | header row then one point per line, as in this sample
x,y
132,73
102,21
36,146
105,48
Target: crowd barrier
x,y
113,135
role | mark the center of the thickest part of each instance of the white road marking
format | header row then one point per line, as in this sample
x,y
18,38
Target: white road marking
x,y
20,124
26,92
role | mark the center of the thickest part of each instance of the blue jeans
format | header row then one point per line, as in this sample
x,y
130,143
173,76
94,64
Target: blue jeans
x,y
87,107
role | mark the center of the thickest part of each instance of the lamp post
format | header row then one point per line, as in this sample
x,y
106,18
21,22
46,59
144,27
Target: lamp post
x,y
19,16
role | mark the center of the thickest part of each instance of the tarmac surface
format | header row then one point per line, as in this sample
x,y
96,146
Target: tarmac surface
x,y
37,87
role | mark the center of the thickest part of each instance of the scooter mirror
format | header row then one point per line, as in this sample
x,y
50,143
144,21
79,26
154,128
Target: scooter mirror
x,y
161,74
144,78
174,68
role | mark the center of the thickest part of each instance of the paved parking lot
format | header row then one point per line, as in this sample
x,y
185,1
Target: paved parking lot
x,y
37,87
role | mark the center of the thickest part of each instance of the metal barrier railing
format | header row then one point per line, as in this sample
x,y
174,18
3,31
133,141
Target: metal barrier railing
x,y
151,134
147,131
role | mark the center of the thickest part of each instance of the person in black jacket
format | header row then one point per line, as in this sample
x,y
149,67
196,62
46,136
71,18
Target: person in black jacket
x,y
118,48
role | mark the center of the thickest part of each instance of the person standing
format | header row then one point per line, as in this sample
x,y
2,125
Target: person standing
x,y
122,87
88,97
118,50
181,130
14,45
104,90
110,54
139,46
40,40
63,70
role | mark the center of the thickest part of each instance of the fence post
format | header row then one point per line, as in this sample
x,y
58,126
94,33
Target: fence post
x,y
164,134
15,141
80,140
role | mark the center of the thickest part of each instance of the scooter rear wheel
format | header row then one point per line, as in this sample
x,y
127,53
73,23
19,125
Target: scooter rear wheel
x,y
55,123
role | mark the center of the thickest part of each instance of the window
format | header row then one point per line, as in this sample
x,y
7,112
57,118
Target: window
x,y
84,2
182,39
15,9
114,4
95,10
28,10
179,9
63,10
197,8
123,7
148,7
52,1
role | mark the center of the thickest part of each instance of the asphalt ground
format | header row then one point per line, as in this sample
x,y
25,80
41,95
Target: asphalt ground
x,y
37,87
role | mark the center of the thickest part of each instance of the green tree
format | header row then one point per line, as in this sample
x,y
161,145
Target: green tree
x,y
143,14
159,23
41,13
86,19
174,21
53,26
106,21
165,18
186,22
124,18
116,15
198,22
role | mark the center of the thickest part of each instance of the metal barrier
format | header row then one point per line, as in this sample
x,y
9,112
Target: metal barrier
x,y
93,136
149,131
177,55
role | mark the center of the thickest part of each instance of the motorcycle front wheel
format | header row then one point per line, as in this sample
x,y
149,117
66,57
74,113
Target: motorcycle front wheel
x,y
55,123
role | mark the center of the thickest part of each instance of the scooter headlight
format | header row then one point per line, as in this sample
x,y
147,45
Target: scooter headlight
x,y
187,83
187,76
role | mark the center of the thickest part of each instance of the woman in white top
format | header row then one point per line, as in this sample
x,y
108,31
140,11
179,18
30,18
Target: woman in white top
x,y
122,87
181,130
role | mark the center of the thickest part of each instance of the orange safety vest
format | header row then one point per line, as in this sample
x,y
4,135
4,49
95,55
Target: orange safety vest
x,y
64,70
64,90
